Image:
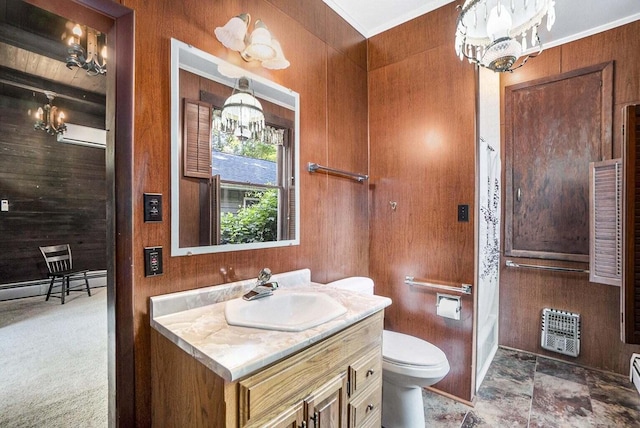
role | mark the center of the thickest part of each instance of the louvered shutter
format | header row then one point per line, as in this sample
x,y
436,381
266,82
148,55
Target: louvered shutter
x,y
197,139
606,222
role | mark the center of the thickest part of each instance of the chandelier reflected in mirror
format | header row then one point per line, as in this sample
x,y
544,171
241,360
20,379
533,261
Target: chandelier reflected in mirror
x,y
93,59
495,33
49,118
242,116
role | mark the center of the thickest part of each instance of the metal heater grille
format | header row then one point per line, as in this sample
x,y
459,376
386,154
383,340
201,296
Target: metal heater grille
x,y
561,331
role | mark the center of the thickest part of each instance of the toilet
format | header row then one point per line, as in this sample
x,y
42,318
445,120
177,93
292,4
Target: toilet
x,y
408,365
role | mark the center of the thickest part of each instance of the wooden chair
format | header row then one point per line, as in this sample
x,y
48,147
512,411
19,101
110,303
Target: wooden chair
x,y
60,265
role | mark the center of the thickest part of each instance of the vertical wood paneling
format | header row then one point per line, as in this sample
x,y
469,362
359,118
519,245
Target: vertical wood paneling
x,y
56,194
348,252
422,157
523,294
425,32
193,22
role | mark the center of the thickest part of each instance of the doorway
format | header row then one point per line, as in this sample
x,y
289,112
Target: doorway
x,y
117,22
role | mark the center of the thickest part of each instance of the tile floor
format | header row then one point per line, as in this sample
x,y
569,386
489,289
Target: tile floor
x,y
525,390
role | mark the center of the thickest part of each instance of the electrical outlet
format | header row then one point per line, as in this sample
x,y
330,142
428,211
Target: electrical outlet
x,y
152,207
463,213
153,261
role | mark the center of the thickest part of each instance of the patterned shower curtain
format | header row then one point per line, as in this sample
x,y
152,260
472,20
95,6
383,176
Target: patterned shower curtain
x,y
489,224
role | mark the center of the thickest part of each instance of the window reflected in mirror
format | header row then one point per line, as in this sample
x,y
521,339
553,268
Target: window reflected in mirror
x,y
234,181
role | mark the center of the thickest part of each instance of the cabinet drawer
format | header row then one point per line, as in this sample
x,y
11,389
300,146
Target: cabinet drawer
x,y
365,410
293,379
365,371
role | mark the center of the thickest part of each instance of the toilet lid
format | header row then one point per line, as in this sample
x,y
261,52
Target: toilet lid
x,y
404,349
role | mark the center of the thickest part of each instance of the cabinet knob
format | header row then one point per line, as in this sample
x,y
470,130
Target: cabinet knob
x,y
369,372
369,408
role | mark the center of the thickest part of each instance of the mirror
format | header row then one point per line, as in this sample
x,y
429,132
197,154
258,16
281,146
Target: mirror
x,y
233,187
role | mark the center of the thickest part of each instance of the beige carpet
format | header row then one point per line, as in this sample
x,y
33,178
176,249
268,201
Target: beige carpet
x,y
53,361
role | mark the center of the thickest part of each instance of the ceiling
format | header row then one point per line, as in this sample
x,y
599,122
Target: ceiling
x,y
574,18
32,60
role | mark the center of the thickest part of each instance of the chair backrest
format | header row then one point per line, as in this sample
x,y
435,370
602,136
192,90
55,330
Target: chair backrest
x,y
57,257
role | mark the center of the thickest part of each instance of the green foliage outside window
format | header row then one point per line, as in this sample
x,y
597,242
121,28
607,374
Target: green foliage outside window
x,y
254,223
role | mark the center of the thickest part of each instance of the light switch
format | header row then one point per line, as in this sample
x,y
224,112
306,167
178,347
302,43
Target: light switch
x,y
152,207
5,205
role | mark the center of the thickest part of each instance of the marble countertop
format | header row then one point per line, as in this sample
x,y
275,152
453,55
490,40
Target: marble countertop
x,y
195,321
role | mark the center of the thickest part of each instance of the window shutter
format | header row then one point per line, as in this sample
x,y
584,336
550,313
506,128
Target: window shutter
x,y
606,222
197,139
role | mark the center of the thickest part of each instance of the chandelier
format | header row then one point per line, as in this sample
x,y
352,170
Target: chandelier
x,y
94,58
242,116
495,33
259,45
49,118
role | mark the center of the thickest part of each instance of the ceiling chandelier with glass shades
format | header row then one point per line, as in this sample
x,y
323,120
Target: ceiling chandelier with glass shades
x,y
242,116
495,33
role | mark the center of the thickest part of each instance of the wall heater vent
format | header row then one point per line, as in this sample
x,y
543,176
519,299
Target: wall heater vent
x,y
634,371
561,332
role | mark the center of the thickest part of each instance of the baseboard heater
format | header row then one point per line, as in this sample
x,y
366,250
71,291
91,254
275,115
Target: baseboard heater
x,y
634,371
561,332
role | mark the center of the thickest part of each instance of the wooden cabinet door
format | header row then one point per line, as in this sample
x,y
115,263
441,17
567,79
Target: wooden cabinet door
x,y
554,127
326,406
292,418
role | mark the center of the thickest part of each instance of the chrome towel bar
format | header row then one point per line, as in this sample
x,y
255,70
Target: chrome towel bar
x,y
464,288
513,264
313,167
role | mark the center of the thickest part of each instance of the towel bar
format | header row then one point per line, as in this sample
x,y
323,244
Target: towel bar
x,y
510,263
313,167
464,288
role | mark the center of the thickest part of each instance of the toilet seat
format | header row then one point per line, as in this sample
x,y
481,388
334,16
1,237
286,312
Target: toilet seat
x,y
410,356
403,349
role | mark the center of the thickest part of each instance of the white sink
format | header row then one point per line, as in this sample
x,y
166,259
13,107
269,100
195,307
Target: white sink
x,y
293,311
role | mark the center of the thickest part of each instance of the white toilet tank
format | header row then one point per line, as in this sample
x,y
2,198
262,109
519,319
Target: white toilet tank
x,y
358,284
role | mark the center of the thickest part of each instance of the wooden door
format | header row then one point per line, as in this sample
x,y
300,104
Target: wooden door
x,y
631,271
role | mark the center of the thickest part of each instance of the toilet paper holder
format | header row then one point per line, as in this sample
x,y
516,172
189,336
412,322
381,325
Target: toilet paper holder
x,y
448,306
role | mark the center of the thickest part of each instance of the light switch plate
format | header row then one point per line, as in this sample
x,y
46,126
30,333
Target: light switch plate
x,y
152,207
4,206
463,213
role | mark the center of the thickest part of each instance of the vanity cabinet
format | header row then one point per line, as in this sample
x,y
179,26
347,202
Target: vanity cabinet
x,y
336,382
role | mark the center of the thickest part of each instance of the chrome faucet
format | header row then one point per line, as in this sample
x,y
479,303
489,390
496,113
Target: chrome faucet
x,y
263,287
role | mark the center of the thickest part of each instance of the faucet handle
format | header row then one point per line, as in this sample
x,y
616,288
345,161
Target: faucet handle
x,y
264,276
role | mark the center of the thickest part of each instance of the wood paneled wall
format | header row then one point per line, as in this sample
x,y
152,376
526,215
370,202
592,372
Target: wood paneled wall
x,y
56,192
422,157
524,293
328,70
